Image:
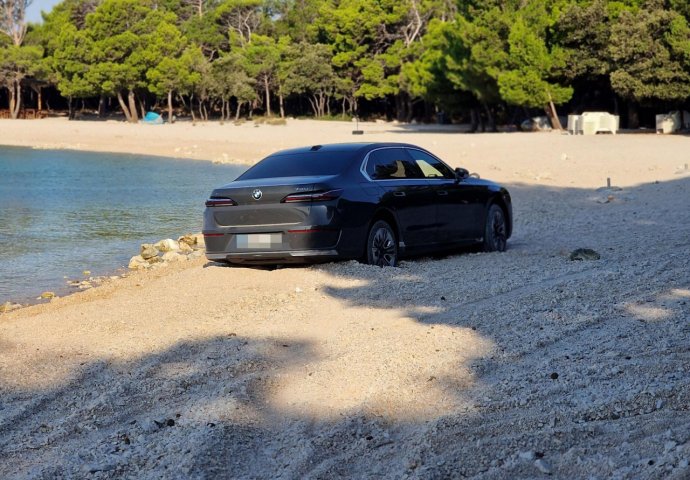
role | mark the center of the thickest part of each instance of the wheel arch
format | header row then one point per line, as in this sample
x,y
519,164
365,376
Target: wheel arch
x,y
386,215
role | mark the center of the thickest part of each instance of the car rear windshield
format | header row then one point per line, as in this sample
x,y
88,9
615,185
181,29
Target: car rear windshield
x,y
304,164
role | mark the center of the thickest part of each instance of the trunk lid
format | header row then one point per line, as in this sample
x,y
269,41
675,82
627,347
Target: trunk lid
x,y
259,201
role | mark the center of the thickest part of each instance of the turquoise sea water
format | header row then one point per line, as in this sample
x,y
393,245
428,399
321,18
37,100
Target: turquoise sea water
x,y
63,212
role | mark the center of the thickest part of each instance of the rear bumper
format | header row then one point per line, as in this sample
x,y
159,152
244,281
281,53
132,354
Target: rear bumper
x,y
275,257
303,245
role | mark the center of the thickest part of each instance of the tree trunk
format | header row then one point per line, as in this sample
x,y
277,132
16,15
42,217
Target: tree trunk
x,y
123,106
314,106
133,115
170,106
40,99
474,118
490,117
101,107
633,116
280,101
239,108
142,105
15,99
70,109
555,121
398,107
267,91
191,108
201,112
322,104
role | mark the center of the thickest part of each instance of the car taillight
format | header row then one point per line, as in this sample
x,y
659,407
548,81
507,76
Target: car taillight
x,y
220,202
312,196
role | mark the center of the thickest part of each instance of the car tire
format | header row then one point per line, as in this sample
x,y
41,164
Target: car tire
x,y
382,247
495,232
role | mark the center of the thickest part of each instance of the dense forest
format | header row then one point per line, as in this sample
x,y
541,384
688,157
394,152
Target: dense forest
x,y
484,62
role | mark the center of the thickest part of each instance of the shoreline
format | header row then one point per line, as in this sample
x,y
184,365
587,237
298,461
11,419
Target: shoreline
x,y
66,279
73,286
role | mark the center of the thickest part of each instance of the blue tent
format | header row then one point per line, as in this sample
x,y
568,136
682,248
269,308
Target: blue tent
x,y
152,118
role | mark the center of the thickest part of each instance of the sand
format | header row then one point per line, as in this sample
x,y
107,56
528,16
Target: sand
x,y
515,365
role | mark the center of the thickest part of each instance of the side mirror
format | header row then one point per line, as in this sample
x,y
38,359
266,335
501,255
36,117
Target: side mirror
x,y
461,173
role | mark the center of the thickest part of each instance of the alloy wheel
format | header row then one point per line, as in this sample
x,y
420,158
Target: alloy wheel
x,y
383,250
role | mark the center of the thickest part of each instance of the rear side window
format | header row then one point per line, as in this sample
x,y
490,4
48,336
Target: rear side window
x,y
431,167
306,164
391,164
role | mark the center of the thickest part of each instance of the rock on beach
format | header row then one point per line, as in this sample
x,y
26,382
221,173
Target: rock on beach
x,y
148,251
167,251
167,245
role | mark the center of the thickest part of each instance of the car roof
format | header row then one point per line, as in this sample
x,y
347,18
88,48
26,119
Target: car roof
x,y
353,147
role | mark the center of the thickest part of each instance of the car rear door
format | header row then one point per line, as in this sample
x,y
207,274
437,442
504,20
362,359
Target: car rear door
x,y
459,204
406,192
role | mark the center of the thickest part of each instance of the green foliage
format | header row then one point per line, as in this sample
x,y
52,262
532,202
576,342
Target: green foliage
x,y
490,53
298,19
18,62
262,57
650,49
72,63
307,69
178,73
232,77
240,18
532,67
477,52
205,32
583,32
374,42
506,51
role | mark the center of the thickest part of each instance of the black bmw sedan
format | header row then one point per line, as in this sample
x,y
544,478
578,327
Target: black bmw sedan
x,y
373,202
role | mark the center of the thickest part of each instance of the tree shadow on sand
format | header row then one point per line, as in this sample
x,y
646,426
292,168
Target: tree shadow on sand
x,y
573,368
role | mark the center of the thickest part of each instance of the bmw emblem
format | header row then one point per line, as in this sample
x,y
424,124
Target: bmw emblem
x,y
257,194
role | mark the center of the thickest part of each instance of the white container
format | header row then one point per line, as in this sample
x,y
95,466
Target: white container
x,y
595,122
589,126
668,122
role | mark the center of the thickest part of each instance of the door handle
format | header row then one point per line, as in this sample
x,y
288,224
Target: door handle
x,y
442,192
399,194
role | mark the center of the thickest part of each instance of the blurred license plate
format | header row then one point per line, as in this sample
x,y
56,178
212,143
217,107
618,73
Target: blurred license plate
x,y
259,240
